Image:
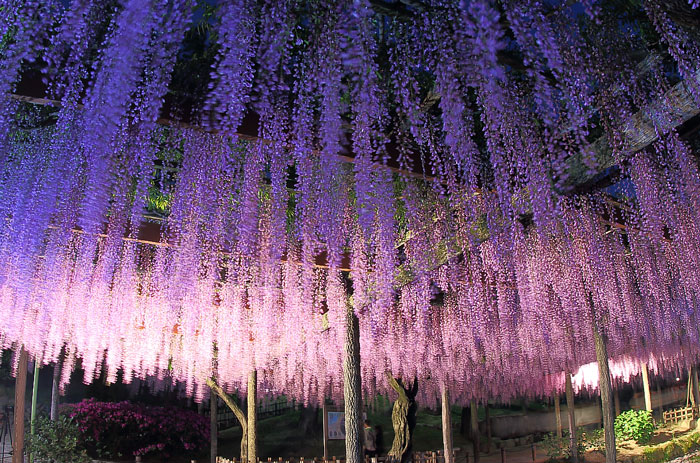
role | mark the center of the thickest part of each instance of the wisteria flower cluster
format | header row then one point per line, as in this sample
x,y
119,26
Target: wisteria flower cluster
x,y
428,168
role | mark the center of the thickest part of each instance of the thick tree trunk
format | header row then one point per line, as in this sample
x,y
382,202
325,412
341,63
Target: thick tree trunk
x,y
253,417
647,390
352,390
557,414
213,428
403,418
573,445
20,390
238,411
55,393
474,409
446,426
606,399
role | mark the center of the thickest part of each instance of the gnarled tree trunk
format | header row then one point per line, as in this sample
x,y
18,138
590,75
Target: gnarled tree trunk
x,y
403,418
242,420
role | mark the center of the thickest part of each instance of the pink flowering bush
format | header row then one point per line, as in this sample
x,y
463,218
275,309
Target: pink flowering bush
x,y
125,429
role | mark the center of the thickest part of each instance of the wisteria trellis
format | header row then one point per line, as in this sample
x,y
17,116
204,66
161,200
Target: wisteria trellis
x,y
450,283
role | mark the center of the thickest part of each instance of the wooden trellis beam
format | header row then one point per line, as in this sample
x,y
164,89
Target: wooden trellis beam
x,y
674,108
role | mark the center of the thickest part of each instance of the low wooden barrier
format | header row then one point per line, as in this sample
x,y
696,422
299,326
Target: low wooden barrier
x,y
680,414
418,457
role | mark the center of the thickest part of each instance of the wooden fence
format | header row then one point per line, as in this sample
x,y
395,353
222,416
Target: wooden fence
x,y
680,414
418,457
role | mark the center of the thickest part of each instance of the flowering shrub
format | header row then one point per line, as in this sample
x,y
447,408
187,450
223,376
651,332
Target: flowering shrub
x,y
119,429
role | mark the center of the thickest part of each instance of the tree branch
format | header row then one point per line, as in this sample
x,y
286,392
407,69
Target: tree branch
x,y
396,385
230,403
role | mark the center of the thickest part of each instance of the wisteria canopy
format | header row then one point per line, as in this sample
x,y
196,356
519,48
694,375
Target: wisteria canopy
x,y
485,183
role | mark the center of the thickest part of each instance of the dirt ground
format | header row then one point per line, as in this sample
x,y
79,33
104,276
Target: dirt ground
x,y
630,450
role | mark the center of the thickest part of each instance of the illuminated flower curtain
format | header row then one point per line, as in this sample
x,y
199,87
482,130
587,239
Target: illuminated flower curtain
x,y
485,273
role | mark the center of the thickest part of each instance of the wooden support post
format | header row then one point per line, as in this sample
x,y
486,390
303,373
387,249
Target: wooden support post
x,y
32,413
693,378
253,417
20,390
213,427
464,421
487,418
605,394
325,431
475,429
352,388
617,402
557,414
503,455
447,426
572,418
55,393
647,390
660,400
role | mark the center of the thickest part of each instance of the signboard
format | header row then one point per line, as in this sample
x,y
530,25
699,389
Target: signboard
x,y
333,427
336,425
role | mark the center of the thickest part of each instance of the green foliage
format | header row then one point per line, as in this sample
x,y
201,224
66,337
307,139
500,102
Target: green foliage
x,y
594,440
157,201
636,425
57,442
557,448
672,449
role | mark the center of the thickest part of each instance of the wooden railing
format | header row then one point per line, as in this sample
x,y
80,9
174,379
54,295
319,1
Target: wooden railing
x,y
418,457
680,414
